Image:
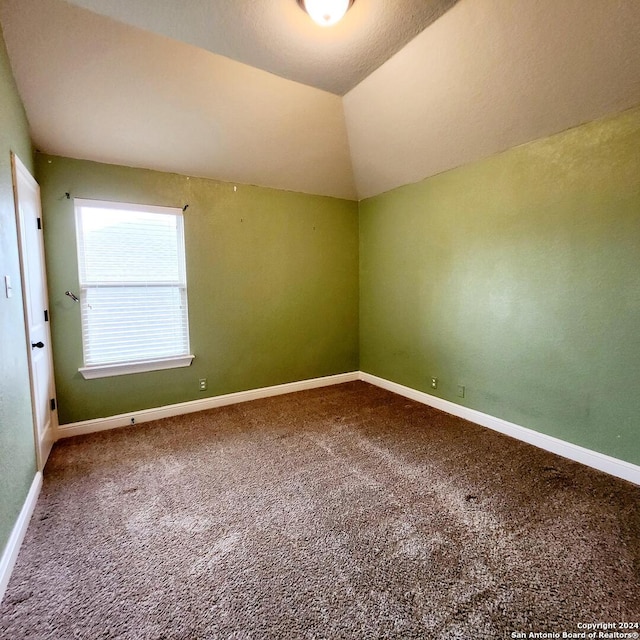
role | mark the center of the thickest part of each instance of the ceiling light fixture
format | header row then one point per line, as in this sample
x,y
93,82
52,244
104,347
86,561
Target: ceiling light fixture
x,y
326,12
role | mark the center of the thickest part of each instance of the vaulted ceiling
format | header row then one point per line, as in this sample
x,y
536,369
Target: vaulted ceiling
x,y
252,91
277,36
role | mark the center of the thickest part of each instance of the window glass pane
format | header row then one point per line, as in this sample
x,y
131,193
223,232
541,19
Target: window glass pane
x,y
126,324
130,246
133,283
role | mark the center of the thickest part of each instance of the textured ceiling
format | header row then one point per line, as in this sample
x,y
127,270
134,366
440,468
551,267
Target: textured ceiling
x,y
97,89
487,75
277,36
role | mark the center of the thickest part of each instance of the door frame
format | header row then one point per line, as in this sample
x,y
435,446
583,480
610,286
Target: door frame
x,y
43,443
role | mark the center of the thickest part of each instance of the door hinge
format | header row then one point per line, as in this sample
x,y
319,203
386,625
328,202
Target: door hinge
x,y
52,404
46,315
39,223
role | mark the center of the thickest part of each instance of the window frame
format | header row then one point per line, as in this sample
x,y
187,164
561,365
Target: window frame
x,y
102,370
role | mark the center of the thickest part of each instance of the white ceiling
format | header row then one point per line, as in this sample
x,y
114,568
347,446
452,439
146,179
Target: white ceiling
x,y
277,36
485,76
97,89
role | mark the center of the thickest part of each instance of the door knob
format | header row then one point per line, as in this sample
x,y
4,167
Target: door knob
x,y
37,345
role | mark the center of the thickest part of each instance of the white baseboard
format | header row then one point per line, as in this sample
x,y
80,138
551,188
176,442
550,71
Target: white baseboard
x,y
10,554
146,415
600,461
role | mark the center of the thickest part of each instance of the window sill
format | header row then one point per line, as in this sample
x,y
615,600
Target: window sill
x,y
125,368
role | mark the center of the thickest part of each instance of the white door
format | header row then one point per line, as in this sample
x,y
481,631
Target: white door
x,y
36,308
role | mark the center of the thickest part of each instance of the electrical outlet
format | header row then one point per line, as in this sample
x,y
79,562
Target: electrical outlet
x,y
434,383
460,391
202,384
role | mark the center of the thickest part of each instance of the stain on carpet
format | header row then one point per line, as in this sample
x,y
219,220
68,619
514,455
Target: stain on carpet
x,y
342,512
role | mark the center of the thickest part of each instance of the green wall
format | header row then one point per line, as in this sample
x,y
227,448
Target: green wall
x,y
17,452
272,281
518,277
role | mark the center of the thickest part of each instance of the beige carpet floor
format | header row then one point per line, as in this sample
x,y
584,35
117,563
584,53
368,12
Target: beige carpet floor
x,y
343,512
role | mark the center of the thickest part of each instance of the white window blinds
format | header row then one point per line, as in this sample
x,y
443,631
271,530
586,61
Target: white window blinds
x,y
133,286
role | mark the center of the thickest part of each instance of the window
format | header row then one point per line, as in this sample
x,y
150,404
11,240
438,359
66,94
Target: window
x,y
133,288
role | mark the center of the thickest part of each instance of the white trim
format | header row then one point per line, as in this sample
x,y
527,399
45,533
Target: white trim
x,y
10,554
48,438
146,415
600,461
124,368
594,459
23,180
98,337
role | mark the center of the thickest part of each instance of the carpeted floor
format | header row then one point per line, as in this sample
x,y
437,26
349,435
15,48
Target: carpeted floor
x,y
343,512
